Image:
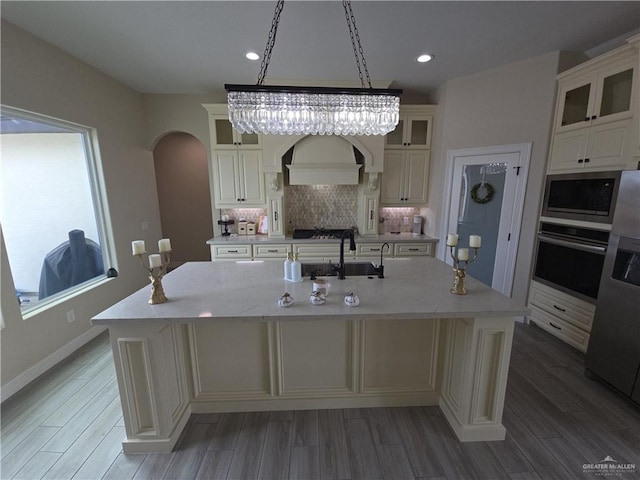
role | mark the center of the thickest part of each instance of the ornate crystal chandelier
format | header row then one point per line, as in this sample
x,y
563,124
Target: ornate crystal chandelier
x,y
313,110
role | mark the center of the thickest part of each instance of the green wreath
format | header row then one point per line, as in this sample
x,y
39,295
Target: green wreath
x,y
490,192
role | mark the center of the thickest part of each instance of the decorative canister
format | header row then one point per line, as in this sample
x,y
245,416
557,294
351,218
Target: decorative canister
x,y
351,300
316,298
285,300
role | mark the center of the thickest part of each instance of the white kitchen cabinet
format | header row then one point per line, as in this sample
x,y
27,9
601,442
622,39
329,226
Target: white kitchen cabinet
x,y
276,216
413,130
270,251
602,93
222,253
369,211
413,249
564,316
223,135
594,121
602,147
238,179
398,250
405,179
310,252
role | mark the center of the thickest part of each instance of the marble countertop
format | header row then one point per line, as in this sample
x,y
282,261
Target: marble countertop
x,y
388,237
415,288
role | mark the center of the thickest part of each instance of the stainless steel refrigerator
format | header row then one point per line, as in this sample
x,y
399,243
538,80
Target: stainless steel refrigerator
x,y
613,354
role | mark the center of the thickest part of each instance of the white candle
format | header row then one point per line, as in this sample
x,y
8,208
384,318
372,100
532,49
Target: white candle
x,y
137,247
452,240
463,254
475,241
164,245
155,260
224,218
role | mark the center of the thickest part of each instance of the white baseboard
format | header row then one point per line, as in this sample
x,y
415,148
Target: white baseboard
x,y
13,386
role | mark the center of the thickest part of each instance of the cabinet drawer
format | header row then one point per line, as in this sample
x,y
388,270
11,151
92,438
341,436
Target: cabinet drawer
x,y
566,332
371,250
320,249
565,307
231,252
271,251
408,249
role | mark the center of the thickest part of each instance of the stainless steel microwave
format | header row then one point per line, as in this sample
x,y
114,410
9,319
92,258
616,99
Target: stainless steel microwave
x,y
590,197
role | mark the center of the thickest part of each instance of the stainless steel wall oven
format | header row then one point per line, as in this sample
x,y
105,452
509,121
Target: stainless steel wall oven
x,y
570,259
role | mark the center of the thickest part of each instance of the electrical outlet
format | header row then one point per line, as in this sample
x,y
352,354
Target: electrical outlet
x,y
405,220
144,225
71,316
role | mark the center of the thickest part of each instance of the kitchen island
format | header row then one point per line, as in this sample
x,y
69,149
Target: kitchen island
x,y
222,343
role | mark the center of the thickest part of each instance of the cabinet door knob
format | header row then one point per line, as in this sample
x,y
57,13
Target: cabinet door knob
x,y
238,199
275,216
370,214
586,160
593,117
580,160
587,119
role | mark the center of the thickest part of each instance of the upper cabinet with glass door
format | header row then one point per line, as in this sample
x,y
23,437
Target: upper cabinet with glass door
x,y
598,91
223,135
413,129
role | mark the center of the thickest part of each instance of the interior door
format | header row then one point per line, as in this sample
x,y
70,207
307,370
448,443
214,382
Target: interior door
x,y
487,197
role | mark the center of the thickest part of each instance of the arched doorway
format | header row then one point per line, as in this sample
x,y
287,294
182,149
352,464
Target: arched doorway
x,y
184,197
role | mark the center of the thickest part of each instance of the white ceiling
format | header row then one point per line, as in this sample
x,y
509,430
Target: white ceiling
x,y
197,47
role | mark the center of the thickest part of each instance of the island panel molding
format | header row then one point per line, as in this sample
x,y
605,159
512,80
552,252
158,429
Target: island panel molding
x,y
152,379
474,381
317,359
399,360
222,344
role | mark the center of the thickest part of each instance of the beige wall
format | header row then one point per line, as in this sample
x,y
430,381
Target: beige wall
x,y
184,196
40,78
507,105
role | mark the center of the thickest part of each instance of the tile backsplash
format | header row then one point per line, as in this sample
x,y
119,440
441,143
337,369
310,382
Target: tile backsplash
x,y
248,214
392,219
324,206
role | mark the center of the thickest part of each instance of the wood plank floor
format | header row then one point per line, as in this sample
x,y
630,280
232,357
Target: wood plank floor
x,y
68,425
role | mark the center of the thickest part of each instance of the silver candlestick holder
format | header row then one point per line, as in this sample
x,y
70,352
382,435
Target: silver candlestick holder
x,y
460,269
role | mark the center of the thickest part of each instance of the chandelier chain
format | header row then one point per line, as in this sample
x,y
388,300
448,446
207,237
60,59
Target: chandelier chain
x,y
355,37
271,41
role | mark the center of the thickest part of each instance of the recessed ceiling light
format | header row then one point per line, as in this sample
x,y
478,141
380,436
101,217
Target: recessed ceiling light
x,y
252,55
424,58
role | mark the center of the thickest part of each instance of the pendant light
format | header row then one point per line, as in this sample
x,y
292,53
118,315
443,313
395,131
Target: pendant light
x,y
279,109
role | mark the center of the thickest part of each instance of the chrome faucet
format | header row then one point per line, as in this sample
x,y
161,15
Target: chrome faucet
x,y
352,247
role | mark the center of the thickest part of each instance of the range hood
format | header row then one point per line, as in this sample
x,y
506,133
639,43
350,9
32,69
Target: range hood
x,y
323,160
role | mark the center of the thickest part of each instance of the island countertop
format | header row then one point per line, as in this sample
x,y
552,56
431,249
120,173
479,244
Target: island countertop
x,y
416,288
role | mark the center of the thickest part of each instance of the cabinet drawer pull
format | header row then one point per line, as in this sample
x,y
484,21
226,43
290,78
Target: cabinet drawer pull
x,y
414,249
555,326
232,251
272,251
374,249
558,308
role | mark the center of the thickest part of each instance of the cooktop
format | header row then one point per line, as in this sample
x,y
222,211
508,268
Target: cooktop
x,y
318,233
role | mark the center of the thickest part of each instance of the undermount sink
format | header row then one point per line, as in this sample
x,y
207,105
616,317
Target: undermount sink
x,y
350,269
